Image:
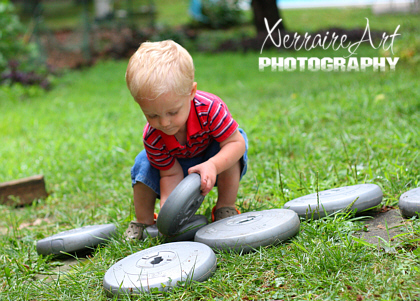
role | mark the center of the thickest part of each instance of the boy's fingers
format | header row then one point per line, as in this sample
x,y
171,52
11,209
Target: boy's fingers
x,y
206,179
210,185
204,185
205,189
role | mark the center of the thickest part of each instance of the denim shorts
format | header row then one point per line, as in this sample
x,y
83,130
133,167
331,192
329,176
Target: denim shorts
x,y
145,173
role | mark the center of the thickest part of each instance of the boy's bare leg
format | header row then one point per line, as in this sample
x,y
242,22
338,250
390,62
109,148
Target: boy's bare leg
x,y
144,203
228,185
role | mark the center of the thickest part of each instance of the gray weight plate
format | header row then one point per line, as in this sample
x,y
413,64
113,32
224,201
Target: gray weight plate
x,y
180,206
250,230
187,232
160,267
75,240
151,231
410,203
334,200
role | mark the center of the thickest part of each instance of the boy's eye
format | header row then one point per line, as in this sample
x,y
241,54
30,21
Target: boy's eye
x,y
173,113
151,116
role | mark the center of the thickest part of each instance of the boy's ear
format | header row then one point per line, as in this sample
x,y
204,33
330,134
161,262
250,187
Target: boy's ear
x,y
193,90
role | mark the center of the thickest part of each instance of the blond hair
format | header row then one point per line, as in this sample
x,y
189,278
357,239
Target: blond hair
x,y
159,67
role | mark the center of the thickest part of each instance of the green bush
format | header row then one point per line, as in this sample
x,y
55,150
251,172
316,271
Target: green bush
x,y
11,31
222,13
19,59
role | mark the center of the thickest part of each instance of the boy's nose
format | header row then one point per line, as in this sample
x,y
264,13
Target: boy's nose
x,y
164,122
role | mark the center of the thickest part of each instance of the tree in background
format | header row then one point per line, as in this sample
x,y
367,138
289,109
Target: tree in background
x,y
266,9
29,6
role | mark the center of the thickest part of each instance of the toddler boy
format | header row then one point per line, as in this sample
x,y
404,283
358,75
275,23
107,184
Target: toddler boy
x,y
187,131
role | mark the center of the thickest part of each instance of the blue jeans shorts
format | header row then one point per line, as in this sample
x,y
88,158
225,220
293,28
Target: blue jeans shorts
x,y
145,173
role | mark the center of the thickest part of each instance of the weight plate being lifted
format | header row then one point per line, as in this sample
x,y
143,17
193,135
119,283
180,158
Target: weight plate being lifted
x,y
180,206
250,230
160,267
410,203
75,240
333,200
187,232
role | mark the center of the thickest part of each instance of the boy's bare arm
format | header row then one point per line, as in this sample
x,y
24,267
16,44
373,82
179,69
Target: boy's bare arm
x,y
231,150
169,179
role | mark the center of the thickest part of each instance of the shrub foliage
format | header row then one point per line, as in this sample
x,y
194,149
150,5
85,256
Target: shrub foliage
x,y
16,51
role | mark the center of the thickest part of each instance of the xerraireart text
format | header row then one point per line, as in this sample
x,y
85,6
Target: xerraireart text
x,y
336,42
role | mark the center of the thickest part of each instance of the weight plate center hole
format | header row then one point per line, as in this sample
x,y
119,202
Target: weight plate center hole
x,y
157,260
246,220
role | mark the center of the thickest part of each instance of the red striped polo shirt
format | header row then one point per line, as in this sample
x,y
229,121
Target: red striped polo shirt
x,y
209,120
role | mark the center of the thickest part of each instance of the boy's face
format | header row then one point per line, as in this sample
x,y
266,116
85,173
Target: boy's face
x,y
169,112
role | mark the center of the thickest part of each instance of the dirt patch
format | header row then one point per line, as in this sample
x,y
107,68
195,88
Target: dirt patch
x,y
63,265
386,225
62,268
69,49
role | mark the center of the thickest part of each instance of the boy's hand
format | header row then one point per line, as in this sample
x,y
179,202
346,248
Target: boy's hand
x,y
231,150
208,173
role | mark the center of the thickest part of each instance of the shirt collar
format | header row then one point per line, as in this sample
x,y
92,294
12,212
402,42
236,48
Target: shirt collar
x,y
193,123
193,127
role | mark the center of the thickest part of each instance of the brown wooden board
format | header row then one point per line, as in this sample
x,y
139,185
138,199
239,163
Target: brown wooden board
x,y
23,191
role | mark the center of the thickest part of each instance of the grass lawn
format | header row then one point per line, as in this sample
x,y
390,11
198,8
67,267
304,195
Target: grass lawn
x,y
308,131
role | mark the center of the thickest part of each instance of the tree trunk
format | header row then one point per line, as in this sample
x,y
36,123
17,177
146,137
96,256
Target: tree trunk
x,y
31,7
266,9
